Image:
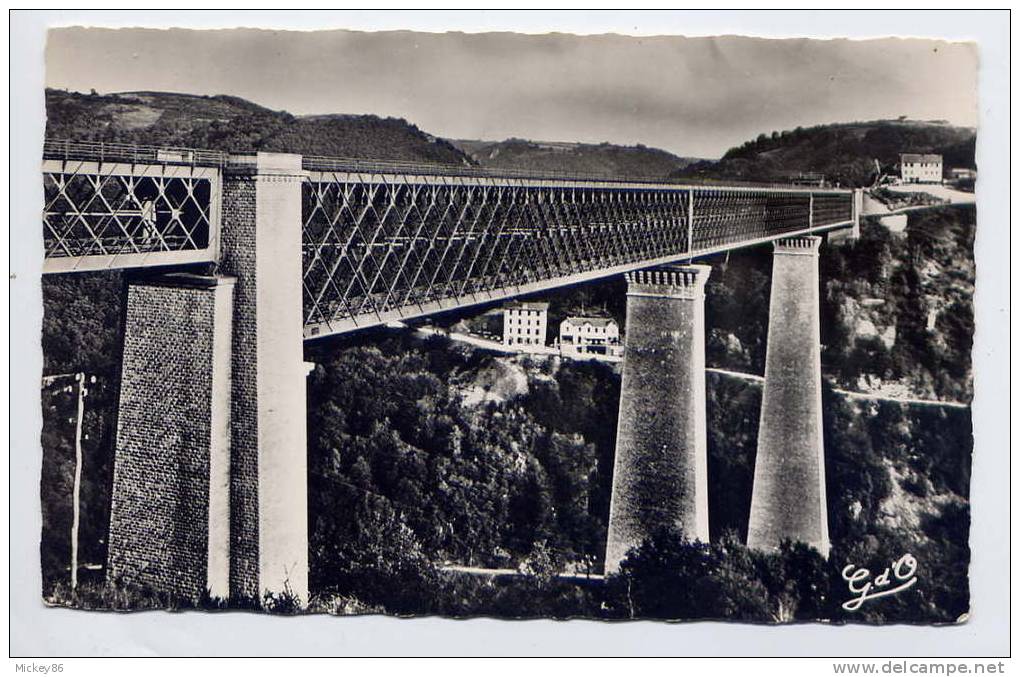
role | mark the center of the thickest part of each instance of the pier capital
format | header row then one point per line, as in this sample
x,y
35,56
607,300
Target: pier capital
x,y
269,166
798,246
670,281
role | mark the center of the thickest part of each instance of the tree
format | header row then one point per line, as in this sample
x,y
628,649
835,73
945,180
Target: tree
x,y
672,578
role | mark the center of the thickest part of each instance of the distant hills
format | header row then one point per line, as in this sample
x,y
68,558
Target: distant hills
x,y
844,153
233,124
639,162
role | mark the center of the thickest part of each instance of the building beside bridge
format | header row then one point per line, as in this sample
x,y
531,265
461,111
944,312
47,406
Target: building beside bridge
x,y
524,323
921,168
590,335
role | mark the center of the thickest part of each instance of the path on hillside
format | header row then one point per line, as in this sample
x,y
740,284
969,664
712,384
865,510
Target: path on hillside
x,y
875,207
736,374
906,400
482,571
475,341
744,376
850,393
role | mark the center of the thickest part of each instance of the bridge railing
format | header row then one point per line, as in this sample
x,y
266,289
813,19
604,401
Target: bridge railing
x,y
98,151
408,168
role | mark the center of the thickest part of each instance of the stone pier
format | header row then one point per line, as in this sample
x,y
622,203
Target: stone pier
x,y
788,498
169,518
210,474
261,247
660,476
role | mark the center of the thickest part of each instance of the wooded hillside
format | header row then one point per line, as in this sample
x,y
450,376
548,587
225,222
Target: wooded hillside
x,y
845,153
639,162
233,124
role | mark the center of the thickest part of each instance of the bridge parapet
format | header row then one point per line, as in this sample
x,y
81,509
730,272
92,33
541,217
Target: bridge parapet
x,y
76,151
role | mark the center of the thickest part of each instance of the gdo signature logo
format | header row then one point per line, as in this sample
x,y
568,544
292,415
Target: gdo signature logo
x,y
903,574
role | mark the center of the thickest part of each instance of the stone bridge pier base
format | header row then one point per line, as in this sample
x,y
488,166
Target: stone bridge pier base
x,y
170,513
660,475
210,473
788,498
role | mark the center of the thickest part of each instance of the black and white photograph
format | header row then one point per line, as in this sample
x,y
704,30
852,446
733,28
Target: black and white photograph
x,y
508,325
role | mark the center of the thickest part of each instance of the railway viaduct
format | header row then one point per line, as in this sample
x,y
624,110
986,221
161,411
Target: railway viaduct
x,y
250,255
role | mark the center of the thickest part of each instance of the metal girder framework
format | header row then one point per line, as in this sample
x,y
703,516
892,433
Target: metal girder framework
x,y
380,247
100,215
383,241
830,208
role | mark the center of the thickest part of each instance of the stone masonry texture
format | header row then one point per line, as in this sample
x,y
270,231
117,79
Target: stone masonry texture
x,y
261,247
788,498
237,258
660,476
167,429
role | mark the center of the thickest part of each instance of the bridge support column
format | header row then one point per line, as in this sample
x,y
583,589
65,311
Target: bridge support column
x,y
169,519
788,498
660,475
261,247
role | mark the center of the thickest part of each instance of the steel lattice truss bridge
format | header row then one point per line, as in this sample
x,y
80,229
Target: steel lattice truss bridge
x,y
262,251
391,241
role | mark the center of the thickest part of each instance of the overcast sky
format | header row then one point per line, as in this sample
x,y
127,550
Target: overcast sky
x,y
692,96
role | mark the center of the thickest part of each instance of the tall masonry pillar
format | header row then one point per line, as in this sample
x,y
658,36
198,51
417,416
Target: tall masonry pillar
x,y
788,498
261,248
660,475
170,510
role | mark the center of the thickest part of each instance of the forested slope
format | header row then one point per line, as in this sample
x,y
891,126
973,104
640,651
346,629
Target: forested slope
x,y
579,159
233,124
844,153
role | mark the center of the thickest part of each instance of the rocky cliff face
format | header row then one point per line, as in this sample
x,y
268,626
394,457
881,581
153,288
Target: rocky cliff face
x,y
900,307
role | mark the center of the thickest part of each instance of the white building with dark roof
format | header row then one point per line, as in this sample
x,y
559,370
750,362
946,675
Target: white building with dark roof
x,y
590,335
524,323
921,168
